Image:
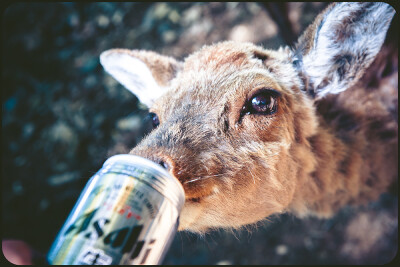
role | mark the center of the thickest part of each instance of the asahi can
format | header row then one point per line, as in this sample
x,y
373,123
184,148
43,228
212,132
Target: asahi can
x,y
128,213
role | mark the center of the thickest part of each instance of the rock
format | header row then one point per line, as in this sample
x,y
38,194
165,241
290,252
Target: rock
x,y
174,16
17,187
62,132
73,20
90,64
224,262
117,18
254,8
281,250
191,15
28,129
161,10
103,21
79,121
91,80
63,178
10,104
169,36
44,204
129,123
98,120
20,161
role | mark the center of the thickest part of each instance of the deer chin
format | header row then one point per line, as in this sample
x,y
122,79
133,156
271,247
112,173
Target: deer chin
x,y
190,216
194,216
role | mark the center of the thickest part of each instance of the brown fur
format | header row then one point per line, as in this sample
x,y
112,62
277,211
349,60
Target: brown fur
x,y
313,156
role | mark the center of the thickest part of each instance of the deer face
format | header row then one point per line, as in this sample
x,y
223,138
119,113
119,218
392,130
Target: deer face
x,y
226,124
229,123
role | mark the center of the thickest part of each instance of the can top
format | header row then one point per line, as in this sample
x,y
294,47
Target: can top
x,y
165,183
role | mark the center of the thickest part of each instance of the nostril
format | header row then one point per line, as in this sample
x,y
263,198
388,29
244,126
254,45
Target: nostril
x,y
164,165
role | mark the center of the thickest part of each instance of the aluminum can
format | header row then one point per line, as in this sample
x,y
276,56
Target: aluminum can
x,y
128,213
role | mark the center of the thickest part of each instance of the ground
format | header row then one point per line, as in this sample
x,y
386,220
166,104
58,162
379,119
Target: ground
x,y
63,116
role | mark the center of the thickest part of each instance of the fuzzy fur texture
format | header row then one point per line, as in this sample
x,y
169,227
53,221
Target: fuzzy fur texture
x,y
318,152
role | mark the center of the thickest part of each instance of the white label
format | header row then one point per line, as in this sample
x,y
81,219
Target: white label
x,y
93,256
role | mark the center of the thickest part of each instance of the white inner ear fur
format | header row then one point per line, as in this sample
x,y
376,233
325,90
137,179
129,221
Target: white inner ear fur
x,y
368,35
133,74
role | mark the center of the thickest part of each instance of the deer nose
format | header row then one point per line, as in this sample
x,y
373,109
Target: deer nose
x,y
164,161
164,164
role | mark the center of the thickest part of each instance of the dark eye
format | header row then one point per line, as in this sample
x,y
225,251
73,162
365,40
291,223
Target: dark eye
x,y
264,102
154,119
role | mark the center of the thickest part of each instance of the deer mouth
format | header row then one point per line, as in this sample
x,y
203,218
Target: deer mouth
x,y
197,196
195,193
194,199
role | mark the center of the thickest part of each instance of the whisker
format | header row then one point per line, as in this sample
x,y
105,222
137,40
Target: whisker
x,y
252,176
202,178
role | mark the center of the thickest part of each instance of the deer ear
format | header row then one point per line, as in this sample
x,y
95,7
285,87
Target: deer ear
x,y
335,50
144,73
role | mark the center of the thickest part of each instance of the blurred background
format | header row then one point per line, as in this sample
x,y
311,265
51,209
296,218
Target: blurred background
x,y
63,116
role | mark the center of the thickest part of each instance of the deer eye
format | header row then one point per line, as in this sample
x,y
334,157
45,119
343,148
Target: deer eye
x,y
263,102
154,119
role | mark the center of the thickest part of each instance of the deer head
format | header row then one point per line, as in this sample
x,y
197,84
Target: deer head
x,y
236,124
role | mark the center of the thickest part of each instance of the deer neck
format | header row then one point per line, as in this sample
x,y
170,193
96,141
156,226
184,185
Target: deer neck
x,y
339,169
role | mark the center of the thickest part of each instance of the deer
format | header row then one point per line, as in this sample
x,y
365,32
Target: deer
x,y
251,132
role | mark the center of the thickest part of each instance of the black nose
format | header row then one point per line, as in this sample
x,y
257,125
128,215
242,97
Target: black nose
x,y
163,160
164,164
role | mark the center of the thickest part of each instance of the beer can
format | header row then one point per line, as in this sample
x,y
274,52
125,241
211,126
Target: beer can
x,y
128,213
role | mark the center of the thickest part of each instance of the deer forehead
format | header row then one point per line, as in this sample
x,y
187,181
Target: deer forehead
x,y
213,92
223,76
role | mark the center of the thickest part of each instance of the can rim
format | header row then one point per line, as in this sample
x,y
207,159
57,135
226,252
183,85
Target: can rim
x,y
167,185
